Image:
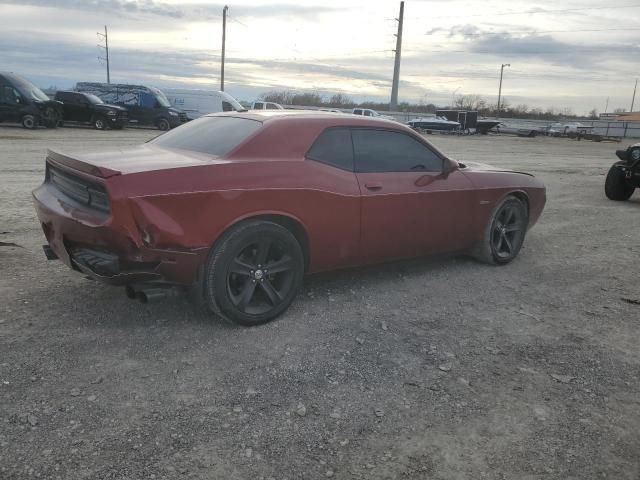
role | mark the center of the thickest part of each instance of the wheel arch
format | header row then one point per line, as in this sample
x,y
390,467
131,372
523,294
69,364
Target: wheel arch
x,y
291,223
523,197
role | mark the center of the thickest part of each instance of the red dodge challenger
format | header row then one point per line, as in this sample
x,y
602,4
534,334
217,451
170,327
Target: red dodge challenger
x,y
239,206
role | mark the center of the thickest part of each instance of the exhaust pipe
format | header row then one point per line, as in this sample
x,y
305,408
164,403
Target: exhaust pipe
x,y
150,294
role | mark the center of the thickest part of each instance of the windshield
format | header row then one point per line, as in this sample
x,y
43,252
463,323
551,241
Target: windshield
x,y
235,104
93,99
216,135
28,89
160,97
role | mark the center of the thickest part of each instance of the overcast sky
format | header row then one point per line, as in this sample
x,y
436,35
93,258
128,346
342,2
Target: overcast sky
x,y
563,54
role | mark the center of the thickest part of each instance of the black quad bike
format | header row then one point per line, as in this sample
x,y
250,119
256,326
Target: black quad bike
x,y
624,176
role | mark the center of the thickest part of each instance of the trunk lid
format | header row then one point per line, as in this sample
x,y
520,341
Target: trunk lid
x,y
141,158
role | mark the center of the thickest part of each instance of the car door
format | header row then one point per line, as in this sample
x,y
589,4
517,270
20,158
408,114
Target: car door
x,y
5,105
70,106
411,204
82,108
11,104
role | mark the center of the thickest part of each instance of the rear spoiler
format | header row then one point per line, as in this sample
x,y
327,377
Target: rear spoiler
x,y
80,166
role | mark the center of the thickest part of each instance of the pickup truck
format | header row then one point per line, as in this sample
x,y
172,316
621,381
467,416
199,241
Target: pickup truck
x,y
367,112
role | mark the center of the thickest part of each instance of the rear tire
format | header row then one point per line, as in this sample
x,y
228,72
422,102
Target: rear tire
x,y
504,235
253,273
29,121
616,186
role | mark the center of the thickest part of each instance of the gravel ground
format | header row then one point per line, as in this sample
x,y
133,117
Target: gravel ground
x,y
428,369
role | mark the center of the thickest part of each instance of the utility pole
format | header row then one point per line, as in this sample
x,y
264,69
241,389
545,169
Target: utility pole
x,y
224,39
606,107
393,105
105,35
500,87
633,100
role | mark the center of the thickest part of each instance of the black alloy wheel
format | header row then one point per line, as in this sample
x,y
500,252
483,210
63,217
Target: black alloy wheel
x,y
508,231
254,272
505,232
260,276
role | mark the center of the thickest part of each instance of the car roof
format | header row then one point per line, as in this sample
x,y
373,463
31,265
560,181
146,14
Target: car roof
x,y
315,116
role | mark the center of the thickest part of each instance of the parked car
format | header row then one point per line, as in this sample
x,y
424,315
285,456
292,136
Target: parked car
x,y
624,176
575,128
552,130
196,103
81,107
367,112
22,102
224,206
517,131
146,106
266,106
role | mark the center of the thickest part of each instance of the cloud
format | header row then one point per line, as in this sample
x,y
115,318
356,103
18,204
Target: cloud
x,y
190,11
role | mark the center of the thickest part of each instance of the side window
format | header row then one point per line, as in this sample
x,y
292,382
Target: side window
x,y
11,96
258,106
389,151
147,100
226,107
70,98
272,106
357,111
6,95
333,147
367,113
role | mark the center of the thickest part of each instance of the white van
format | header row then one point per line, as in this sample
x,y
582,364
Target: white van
x,y
196,103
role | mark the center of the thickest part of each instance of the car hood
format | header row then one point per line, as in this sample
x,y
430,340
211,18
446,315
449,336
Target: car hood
x,y
484,167
141,158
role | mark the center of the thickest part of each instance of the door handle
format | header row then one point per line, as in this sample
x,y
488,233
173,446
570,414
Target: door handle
x,y
373,186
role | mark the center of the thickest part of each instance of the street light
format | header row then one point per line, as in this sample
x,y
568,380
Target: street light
x,y
500,88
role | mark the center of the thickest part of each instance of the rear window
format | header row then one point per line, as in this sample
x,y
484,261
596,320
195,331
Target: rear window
x,y
211,135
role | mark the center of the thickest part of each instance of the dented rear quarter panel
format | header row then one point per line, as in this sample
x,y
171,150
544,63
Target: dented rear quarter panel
x,y
189,208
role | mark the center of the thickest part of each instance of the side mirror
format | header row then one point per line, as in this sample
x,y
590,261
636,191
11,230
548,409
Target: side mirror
x,y
449,166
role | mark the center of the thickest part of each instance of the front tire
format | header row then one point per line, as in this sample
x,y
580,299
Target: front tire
x,y
504,235
29,121
99,123
253,273
163,124
616,186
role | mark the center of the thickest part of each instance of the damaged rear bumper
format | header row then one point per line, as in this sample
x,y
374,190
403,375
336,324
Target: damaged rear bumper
x,y
88,242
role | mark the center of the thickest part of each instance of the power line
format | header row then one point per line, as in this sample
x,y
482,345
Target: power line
x,y
534,12
105,36
538,32
393,104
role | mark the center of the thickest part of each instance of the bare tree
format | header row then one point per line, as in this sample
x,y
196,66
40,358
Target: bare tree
x,y
341,100
470,102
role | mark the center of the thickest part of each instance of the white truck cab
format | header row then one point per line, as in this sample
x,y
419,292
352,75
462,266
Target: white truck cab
x,y
367,112
266,106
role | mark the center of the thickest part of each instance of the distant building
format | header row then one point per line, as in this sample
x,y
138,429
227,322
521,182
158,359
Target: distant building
x,y
621,116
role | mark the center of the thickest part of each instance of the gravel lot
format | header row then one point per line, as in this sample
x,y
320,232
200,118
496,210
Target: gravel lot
x,y
428,369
